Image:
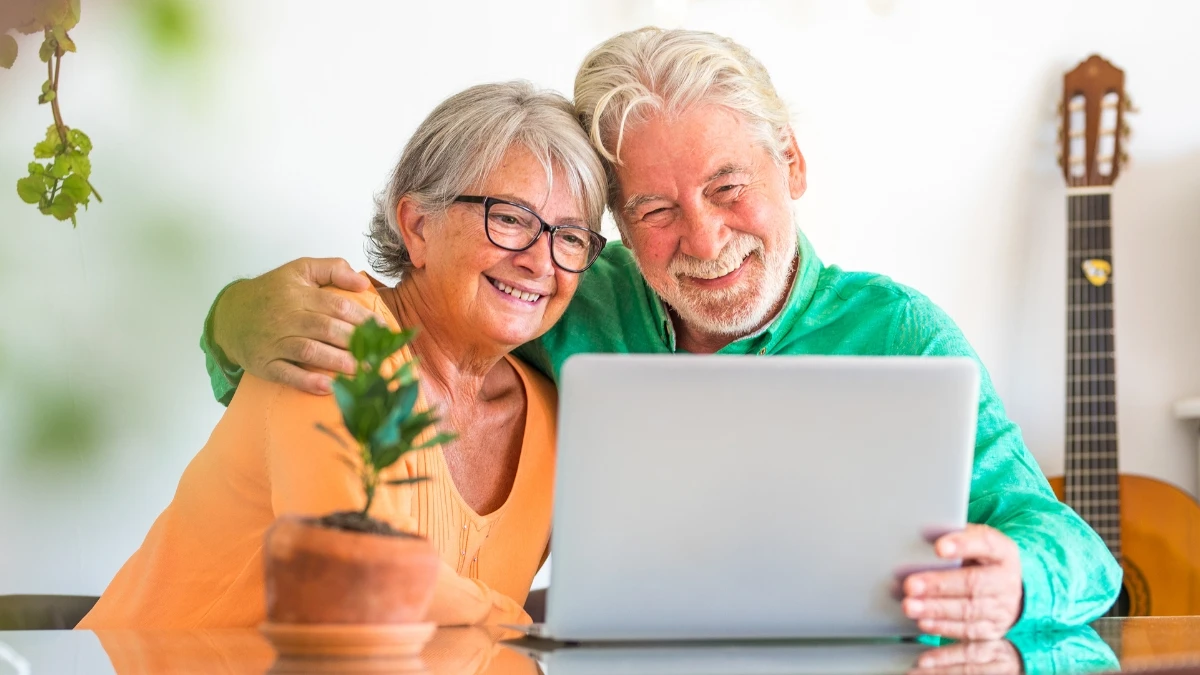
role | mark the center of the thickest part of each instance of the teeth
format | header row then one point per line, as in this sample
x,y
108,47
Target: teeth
x,y
527,297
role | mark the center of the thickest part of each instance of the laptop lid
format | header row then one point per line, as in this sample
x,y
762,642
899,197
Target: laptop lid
x,y
731,497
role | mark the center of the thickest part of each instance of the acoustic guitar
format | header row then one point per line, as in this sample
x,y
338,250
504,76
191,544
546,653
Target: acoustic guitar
x,y
1152,527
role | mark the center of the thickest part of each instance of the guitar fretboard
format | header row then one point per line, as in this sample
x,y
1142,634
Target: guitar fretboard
x,y
1091,473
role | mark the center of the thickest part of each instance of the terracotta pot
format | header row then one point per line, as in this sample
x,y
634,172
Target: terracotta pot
x,y
319,575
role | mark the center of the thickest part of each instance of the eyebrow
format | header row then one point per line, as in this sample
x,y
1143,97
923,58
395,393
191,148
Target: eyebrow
x,y
578,222
727,170
640,200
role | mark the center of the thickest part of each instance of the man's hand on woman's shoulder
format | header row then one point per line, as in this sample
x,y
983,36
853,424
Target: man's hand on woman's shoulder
x,y
275,323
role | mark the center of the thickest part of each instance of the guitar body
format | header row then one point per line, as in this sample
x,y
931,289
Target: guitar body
x,y
1160,540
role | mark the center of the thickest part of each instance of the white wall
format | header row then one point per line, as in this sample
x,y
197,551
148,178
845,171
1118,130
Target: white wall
x,y
928,128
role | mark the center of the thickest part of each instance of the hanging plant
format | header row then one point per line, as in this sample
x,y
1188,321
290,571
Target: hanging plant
x,y
62,183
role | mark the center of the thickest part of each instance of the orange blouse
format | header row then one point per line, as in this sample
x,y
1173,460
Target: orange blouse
x,y
201,564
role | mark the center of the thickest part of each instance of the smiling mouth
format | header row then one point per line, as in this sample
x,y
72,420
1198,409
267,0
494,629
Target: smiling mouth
x,y
722,276
520,295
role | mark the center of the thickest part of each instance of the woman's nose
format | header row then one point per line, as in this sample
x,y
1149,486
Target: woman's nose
x,y
537,258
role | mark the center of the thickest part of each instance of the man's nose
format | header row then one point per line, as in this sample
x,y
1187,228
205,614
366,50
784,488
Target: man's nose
x,y
704,233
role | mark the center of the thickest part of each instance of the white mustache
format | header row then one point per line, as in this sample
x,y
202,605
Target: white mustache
x,y
741,246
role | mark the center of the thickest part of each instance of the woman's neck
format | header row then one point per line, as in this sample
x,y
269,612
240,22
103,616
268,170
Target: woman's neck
x,y
454,370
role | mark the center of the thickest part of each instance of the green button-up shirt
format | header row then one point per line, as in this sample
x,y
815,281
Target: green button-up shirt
x,y
1069,575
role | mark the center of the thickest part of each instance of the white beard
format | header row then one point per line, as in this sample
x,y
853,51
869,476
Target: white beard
x,y
739,310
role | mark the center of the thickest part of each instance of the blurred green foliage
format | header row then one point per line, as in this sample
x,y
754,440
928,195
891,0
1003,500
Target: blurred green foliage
x,y
170,27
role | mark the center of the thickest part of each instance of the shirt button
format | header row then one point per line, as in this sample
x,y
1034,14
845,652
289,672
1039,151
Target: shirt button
x,y
762,352
464,527
464,553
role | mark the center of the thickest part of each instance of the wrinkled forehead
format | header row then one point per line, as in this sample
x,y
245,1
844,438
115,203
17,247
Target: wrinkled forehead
x,y
696,146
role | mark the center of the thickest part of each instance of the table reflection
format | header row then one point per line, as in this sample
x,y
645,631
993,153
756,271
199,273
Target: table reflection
x,y
1076,651
479,651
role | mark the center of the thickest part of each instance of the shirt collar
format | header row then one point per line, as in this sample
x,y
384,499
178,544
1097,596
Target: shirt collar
x,y
763,341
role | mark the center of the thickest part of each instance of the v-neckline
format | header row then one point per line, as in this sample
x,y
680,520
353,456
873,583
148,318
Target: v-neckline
x,y
423,404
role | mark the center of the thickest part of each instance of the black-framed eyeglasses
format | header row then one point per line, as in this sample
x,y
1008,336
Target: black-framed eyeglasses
x,y
513,227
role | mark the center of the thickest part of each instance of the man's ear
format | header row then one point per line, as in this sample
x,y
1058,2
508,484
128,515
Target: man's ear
x,y
410,220
797,171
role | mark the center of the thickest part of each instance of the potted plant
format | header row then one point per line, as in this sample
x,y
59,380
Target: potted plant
x,y
339,574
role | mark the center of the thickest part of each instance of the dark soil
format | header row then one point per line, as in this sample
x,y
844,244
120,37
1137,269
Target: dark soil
x,y
355,521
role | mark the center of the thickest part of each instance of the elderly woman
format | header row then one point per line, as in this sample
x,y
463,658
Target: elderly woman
x,y
491,215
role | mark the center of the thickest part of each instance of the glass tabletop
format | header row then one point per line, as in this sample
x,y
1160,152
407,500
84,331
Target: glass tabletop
x,y
1109,645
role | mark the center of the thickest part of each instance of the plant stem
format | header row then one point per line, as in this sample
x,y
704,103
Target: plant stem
x,y
53,71
370,486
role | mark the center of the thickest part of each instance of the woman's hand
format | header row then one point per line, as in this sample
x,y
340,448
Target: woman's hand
x,y
275,323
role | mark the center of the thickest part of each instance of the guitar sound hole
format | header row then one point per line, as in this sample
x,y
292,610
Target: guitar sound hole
x,y
1120,608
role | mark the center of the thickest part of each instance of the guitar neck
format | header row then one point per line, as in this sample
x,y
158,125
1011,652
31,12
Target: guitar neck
x,y
1091,473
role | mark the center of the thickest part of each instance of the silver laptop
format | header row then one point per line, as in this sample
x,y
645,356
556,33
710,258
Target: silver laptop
x,y
731,497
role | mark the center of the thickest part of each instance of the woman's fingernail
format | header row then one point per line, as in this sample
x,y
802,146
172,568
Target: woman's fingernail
x,y
913,608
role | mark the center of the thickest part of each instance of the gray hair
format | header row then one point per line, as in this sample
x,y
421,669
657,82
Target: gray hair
x,y
464,139
633,74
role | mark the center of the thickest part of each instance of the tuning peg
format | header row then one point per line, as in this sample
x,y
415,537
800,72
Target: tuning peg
x,y
1127,103
1126,131
1123,159
1059,160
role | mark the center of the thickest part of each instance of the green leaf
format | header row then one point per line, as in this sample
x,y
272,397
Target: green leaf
x,y
387,456
64,40
46,86
408,481
45,149
77,189
47,50
47,97
72,19
55,12
328,432
61,167
36,169
48,147
8,51
440,439
82,165
80,140
62,207
31,189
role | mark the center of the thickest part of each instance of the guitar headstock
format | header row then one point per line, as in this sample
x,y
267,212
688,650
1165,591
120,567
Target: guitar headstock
x,y
1092,124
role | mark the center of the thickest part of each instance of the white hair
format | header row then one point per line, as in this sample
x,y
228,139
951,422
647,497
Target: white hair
x,y
464,139
652,70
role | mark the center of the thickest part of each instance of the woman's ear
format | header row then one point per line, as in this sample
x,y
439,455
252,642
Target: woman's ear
x,y
410,220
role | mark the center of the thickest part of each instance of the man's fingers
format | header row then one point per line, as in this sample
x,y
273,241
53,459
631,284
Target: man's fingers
x,y
961,630
976,543
331,304
298,378
963,653
314,354
956,609
964,582
320,327
332,272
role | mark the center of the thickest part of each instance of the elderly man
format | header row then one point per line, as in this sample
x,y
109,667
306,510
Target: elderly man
x,y
703,166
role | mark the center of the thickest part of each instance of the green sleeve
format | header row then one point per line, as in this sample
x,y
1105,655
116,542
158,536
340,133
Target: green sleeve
x,y
1070,576
1076,650
222,373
